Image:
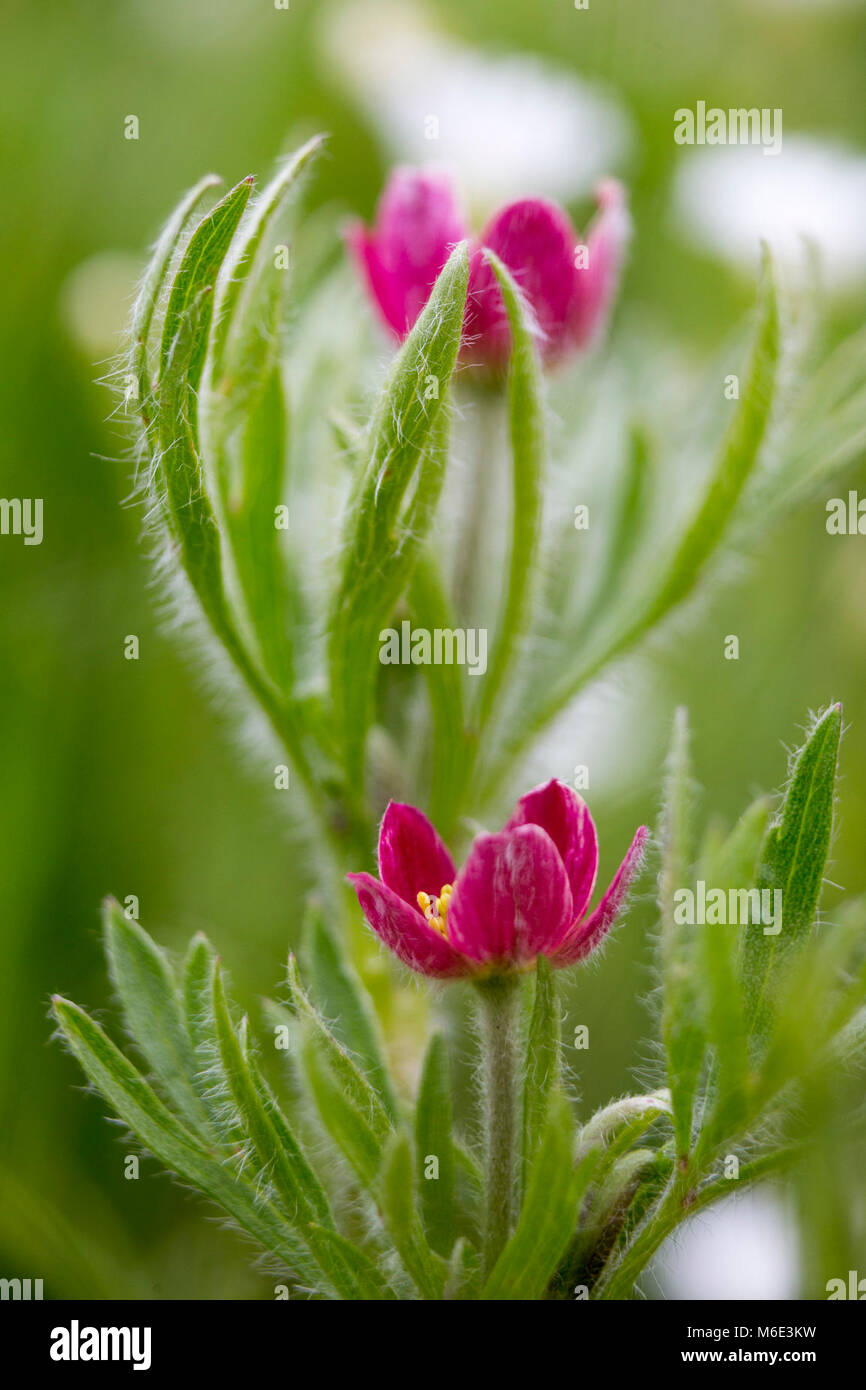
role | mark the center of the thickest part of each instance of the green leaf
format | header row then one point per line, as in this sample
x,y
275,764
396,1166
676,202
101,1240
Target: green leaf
x,y
353,1086
403,1223
247,418
609,1206
135,1103
526,417
701,539
280,1157
251,514
430,610
630,512
152,287
547,1218
464,1274
197,275
198,972
792,863
250,305
398,454
152,1007
341,997
543,1062
211,1082
434,1138
184,347
737,458
825,426
616,1126
360,1279
731,864
682,1029
347,1125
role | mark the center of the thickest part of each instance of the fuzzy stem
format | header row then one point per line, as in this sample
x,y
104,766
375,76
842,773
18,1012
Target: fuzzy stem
x,y
499,1018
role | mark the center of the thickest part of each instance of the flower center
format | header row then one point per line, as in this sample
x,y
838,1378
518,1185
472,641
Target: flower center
x,y
436,909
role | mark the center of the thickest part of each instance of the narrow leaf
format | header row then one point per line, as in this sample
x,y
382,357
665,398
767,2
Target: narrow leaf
x,y
279,1153
403,1224
526,418
351,1081
152,1007
136,1104
360,1280
198,272
397,442
341,997
543,1062
792,864
434,1140
152,287
346,1124
430,610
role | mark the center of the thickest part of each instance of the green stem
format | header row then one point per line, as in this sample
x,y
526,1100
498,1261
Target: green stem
x,y
499,1018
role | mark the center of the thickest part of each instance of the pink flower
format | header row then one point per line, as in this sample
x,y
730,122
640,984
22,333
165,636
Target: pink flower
x,y
522,893
570,285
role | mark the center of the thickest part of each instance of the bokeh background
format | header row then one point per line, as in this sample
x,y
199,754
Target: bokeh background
x,y
121,776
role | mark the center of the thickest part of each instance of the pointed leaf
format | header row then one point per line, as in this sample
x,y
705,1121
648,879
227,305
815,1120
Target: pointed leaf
x,y
348,1076
136,1104
543,1062
526,418
434,1139
151,1003
341,997
397,444
403,1223
280,1156
792,863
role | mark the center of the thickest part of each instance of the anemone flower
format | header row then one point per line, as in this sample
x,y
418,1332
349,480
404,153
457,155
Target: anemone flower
x,y
522,893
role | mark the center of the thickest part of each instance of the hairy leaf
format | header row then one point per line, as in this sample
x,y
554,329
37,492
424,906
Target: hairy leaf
x,y
434,1139
792,863
152,1006
398,443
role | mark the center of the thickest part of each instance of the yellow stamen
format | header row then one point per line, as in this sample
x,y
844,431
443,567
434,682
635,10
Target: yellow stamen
x,y
436,909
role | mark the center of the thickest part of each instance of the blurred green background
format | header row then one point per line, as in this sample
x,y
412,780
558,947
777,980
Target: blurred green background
x,y
120,776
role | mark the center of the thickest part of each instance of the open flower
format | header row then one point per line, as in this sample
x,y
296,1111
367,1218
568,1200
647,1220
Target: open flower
x,y
570,285
521,894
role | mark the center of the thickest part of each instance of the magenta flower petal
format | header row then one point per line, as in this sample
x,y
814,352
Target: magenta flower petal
x,y
598,281
536,241
417,224
405,931
586,935
412,857
565,816
385,290
511,901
